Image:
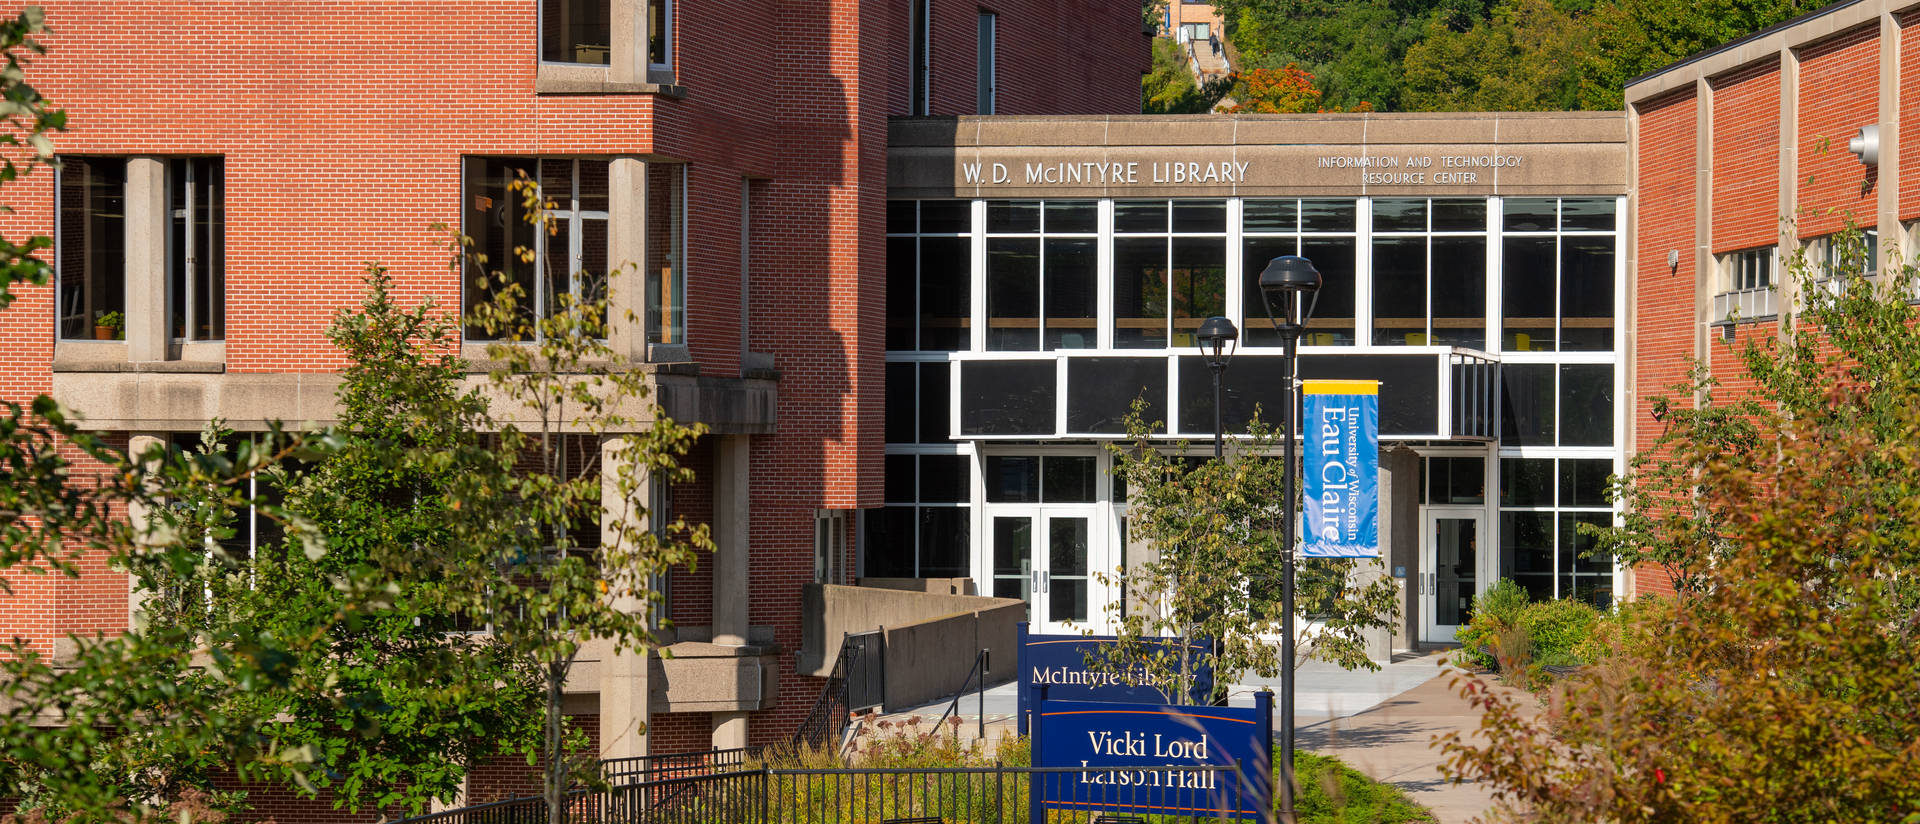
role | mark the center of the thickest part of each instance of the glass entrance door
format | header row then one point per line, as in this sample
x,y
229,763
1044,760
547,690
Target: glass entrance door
x,y
1046,557
1449,555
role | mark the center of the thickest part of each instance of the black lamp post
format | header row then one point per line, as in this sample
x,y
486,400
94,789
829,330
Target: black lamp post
x,y
1216,336
1288,286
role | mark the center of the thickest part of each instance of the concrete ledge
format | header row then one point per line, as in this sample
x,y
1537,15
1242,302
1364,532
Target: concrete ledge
x,y
76,364
183,395
702,677
830,611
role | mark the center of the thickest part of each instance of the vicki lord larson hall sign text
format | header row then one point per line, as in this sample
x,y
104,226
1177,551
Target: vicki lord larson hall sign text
x,y
1144,758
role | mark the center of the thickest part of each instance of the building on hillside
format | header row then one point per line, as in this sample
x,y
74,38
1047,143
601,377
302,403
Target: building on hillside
x,y
228,168
1201,33
1747,154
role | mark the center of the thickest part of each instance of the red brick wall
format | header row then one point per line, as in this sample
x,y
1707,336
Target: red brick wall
x,y
1909,114
1664,299
1051,56
1839,93
343,124
1746,158
676,732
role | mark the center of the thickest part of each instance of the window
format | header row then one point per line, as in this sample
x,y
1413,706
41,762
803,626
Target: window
x,y
1847,253
1319,230
1193,31
196,250
1169,270
660,34
1557,274
1749,277
829,546
985,66
1543,404
1430,272
1542,503
923,531
1749,269
666,268
576,31
1042,287
929,275
92,259
90,248
569,263
919,59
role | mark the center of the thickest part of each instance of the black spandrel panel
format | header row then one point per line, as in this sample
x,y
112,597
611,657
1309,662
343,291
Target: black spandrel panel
x,y
1015,397
1101,391
1410,405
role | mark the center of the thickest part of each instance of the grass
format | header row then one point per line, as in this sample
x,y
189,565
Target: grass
x,y
1333,793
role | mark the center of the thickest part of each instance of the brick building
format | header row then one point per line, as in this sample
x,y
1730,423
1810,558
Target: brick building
x,y
1748,154
230,166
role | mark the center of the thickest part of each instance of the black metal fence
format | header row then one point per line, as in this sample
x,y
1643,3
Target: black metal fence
x,y
958,795
866,670
619,771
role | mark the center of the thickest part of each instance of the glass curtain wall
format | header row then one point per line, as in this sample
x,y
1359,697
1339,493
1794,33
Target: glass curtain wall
x,y
1533,279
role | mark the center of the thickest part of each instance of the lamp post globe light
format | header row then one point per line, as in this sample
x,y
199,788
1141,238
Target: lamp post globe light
x,y
1216,337
1288,286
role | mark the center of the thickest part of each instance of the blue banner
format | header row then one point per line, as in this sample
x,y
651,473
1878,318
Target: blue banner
x,y
1141,758
1341,439
1059,662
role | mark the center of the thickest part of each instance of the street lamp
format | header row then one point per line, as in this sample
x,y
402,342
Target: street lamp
x,y
1216,336
1288,286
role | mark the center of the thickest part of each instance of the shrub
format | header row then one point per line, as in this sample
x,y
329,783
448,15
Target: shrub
x,y
1556,628
1496,609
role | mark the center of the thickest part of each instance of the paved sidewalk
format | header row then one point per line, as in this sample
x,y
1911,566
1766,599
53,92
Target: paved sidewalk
x,y
1391,742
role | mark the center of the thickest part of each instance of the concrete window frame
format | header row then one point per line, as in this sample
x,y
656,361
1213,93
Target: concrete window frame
x,y
1746,284
148,261
630,67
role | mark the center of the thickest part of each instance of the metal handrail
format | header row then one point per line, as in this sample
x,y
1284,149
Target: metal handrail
x,y
813,730
979,666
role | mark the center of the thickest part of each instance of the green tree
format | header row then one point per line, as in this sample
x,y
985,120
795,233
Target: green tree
x,y
555,574
125,725
1522,58
1213,530
1353,47
1633,37
1169,88
1777,685
409,707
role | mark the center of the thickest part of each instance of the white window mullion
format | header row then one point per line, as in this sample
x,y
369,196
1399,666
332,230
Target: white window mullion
x,y
1235,305
1363,273
977,333
1496,245
1103,265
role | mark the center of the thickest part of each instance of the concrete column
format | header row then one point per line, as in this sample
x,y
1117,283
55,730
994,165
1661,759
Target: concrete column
x,y
146,259
1400,541
627,54
729,730
731,552
627,250
139,443
623,677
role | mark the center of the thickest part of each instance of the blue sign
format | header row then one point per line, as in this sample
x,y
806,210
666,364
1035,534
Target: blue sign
x,y
1341,436
1143,758
1059,662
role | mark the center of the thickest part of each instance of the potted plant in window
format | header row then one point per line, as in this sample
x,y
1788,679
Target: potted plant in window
x,y
108,325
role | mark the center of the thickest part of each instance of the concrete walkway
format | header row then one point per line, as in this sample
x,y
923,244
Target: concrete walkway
x,y
1380,723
